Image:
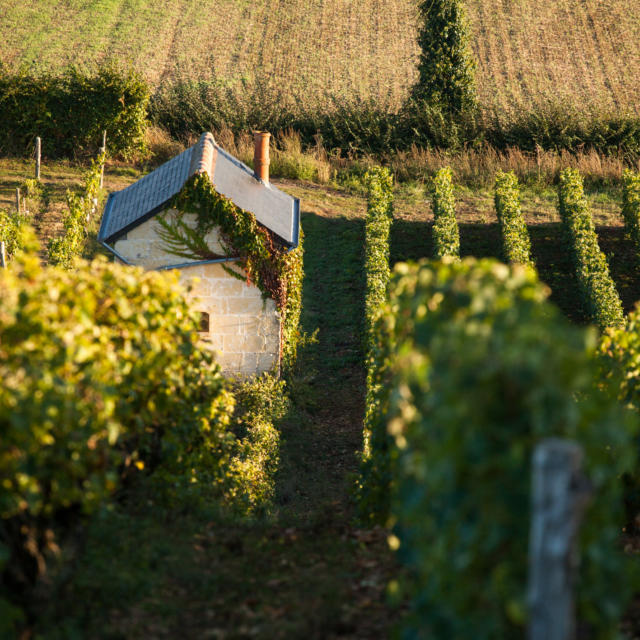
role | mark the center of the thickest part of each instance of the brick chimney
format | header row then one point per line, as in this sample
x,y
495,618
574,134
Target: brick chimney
x,y
261,156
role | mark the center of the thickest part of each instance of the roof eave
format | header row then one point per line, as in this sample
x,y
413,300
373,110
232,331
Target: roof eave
x,y
136,223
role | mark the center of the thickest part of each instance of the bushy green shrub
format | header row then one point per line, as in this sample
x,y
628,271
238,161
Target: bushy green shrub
x,y
446,67
597,288
445,227
557,126
372,480
483,369
377,228
364,126
260,403
631,206
11,226
80,207
103,380
619,352
70,111
515,237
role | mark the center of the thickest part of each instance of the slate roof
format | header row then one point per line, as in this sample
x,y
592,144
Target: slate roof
x,y
130,207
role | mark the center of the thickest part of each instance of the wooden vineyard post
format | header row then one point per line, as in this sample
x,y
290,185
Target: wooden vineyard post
x,y
3,255
38,156
103,149
18,200
560,493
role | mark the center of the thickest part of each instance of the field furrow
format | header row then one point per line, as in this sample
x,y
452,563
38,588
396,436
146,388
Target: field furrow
x,y
585,52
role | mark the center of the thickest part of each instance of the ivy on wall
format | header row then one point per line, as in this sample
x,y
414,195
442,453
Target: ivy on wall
x,y
265,260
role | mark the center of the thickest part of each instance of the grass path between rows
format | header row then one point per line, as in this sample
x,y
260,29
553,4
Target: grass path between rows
x,y
304,571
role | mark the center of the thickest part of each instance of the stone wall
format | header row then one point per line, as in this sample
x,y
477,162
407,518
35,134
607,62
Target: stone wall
x,y
244,327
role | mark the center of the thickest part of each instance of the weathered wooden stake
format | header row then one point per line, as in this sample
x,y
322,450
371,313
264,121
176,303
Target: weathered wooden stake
x,y
18,200
103,149
560,493
38,155
3,256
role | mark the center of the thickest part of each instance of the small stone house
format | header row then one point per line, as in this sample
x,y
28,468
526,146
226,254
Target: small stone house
x,y
241,324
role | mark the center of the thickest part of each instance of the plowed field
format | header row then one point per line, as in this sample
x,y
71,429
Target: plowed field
x,y
585,51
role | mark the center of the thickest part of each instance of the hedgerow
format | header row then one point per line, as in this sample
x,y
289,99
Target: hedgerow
x,y
92,398
70,111
263,258
64,250
597,288
445,227
515,237
373,480
631,206
484,368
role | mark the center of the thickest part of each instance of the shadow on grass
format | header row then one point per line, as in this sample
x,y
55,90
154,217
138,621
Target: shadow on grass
x,y
319,448
412,240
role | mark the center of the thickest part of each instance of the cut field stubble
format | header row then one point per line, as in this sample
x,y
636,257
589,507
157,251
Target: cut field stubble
x,y
580,52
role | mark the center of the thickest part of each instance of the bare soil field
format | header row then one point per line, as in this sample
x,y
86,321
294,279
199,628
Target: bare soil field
x,y
528,51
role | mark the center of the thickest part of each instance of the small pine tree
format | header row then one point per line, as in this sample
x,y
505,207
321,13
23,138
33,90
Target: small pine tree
x,y
447,69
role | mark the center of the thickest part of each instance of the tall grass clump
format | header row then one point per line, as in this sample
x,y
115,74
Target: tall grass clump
x,y
374,474
631,207
597,287
445,227
483,368
515,237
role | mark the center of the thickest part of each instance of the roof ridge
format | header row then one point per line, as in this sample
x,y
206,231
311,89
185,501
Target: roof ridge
x,y
203,155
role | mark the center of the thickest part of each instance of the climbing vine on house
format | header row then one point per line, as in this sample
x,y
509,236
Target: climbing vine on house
x,y
264,259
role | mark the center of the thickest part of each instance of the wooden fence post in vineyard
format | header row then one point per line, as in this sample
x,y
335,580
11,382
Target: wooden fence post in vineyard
x,y
38,155
18,200
103,149
3,256
560,493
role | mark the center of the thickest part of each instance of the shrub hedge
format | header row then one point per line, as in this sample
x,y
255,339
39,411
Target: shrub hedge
x,y
597,288
372,482
631,207
483,368
516,244
260,403
619,351
12,224
366,126
64,250
446,65
445,227
70,111
92,397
